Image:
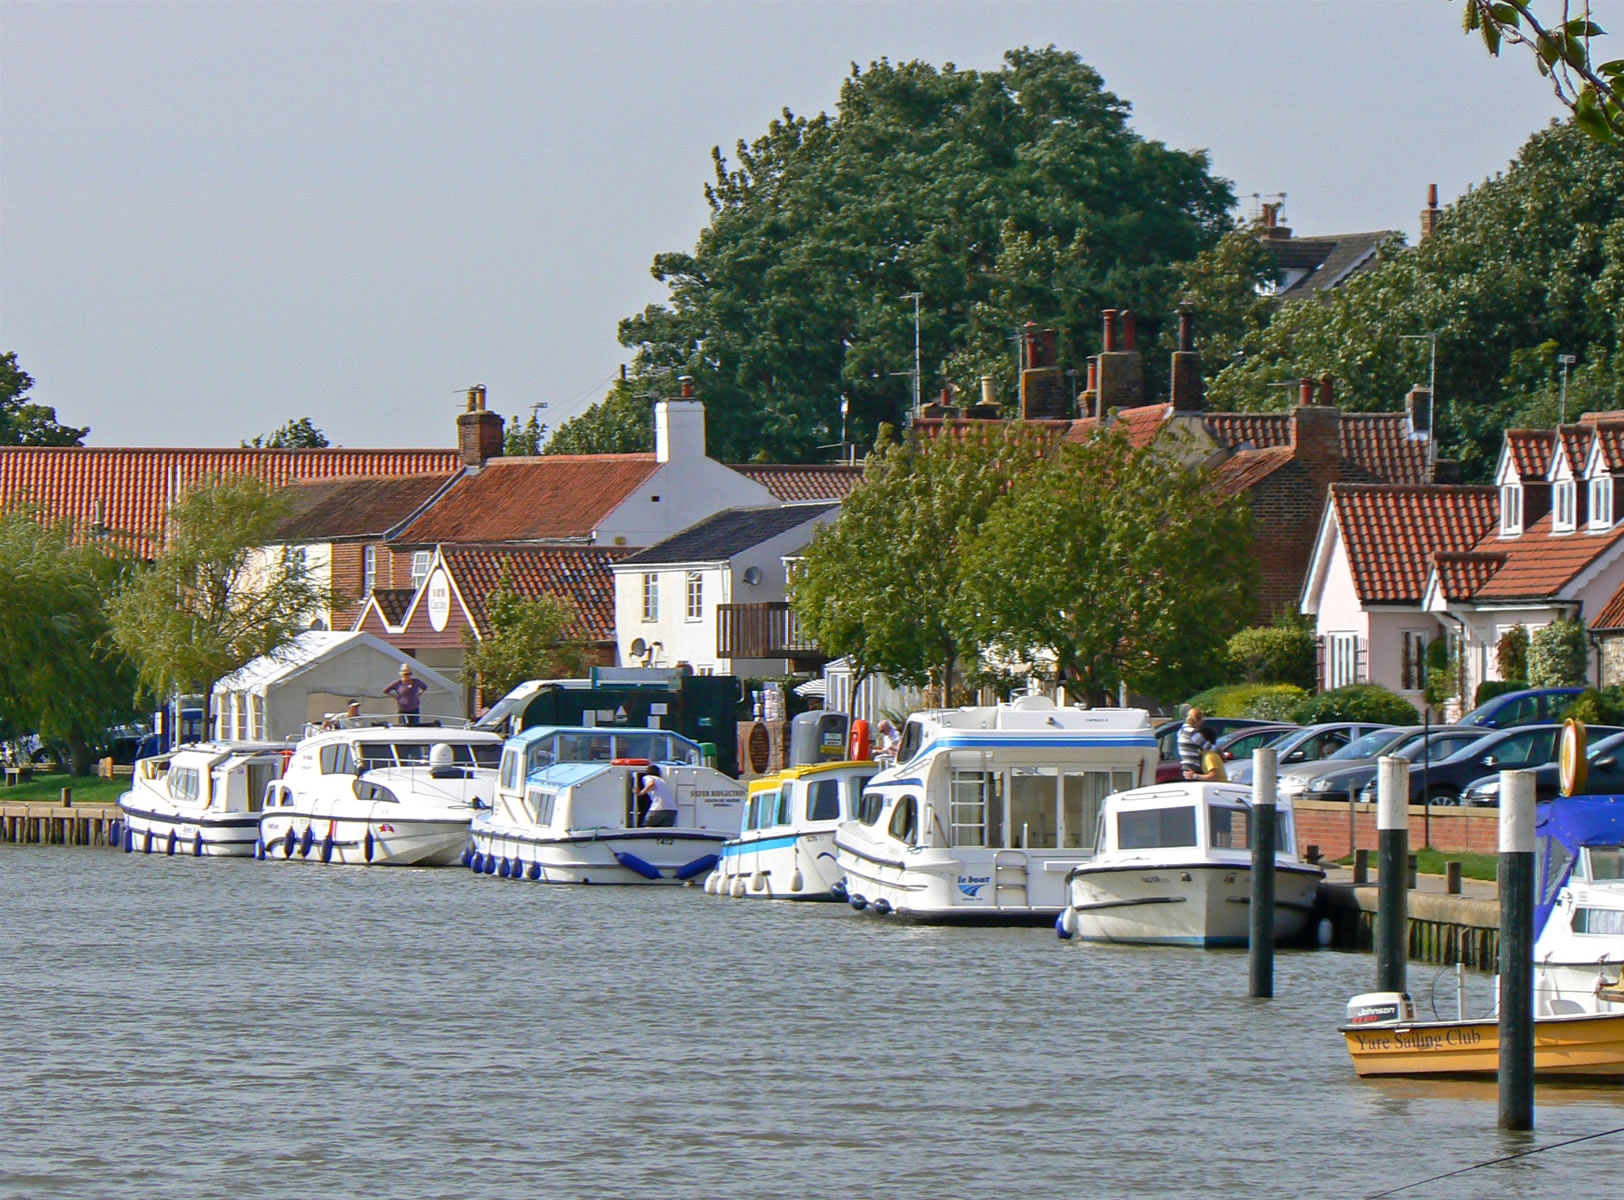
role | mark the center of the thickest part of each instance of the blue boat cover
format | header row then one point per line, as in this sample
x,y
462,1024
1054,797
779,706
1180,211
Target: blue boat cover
x,y
1561,827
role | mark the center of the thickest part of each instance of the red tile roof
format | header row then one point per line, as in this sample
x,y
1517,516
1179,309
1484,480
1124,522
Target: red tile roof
x,y
552,497
1610,435
1540,564
1391,532
1460,573
1140,425
793,483
1246,468
1232,429
128,490
1612,414
1576,442
1378,442
1611,615
367,506
1530,451
393,603
580,575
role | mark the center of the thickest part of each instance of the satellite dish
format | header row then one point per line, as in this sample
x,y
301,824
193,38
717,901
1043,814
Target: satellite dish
x,y
752,575
639,648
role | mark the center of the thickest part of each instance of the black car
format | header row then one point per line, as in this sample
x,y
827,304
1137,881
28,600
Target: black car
x,y
1497,750
1604,775
1421,746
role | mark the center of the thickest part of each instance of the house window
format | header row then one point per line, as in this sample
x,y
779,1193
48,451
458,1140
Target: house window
x,y
1412,671
420,567
651,597
1562,519
1511,509
696,596
1601,502
369,570
1345,658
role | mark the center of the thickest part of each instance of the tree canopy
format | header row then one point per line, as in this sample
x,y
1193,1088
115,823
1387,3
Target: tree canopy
x,y
523,438
1524,268
61,675
1591,89
1000,196
25,424
528,640
220,594
298,434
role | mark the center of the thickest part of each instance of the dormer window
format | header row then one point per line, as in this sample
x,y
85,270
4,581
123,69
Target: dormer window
x,y
1601,502
1511,509
1562,514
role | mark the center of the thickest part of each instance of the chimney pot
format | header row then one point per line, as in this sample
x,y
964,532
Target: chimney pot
x,y
1130,333
1110,330
1186,329
989,390
1429,214
687,382
1305,390
1048,348
1093,374
1326,384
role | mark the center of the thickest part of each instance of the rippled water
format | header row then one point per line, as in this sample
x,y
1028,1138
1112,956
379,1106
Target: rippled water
x,y
184,1028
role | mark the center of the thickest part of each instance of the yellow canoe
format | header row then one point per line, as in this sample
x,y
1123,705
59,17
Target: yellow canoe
x,y
1582,1045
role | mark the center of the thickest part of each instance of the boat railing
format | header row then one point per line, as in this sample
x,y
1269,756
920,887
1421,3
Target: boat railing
x,y
387,721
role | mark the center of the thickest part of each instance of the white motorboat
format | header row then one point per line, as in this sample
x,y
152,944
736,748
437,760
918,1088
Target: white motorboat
x,y
568,808
785,848
1174,866
1579,906
380,794
202,799
987,809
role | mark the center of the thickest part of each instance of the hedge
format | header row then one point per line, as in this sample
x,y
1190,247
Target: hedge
x,y
1357,702
1273,654
1262,701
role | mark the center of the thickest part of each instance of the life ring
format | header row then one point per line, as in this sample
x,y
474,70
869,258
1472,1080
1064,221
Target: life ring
x,y
1573,767
858,744
628,762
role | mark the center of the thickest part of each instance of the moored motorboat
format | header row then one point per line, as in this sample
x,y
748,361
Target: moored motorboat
x,y
203,799
1174,866
987,809
784,849
569,808
375,793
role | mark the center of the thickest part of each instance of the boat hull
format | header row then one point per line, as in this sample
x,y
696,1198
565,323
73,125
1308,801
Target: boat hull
x,y
796,865
376,841
619,856
1582,1046
201,834
965,885
1194,904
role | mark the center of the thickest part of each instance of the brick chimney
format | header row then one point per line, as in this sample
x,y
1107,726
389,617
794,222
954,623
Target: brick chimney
x,y
679,425
1120,374
1188,395
1418,412
1429,214
1316,430
479,432
1043,383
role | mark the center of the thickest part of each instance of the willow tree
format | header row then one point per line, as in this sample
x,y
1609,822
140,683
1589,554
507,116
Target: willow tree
x,y
220,594
882,584
1123,566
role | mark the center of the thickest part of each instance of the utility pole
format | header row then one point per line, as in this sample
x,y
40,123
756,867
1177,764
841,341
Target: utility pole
x,y
916,297
1567,360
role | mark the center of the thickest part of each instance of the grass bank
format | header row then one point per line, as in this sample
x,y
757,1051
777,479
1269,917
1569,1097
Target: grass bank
x,y
87,789
1431,862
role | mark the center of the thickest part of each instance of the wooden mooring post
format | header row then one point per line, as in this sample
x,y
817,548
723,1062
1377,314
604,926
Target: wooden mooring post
x,y
63,823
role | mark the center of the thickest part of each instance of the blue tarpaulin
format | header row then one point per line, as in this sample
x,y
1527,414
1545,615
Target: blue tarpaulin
x,y
1561,827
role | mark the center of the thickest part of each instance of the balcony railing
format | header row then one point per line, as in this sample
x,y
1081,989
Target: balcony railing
x,y
767,630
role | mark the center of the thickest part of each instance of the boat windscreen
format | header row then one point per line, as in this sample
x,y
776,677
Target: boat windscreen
x,y
1229,827
1606,863
1152,828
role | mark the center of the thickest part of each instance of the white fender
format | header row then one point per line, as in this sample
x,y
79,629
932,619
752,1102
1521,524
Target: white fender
x,y
758,882
738,887
795,881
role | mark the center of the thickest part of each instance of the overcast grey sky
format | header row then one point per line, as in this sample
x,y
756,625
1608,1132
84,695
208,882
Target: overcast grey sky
x,y
217,216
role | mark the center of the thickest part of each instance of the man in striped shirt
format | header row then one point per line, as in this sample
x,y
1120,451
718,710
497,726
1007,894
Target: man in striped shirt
x,y
1192,741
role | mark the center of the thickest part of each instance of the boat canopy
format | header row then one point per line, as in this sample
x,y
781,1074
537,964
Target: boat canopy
x,y
1562,827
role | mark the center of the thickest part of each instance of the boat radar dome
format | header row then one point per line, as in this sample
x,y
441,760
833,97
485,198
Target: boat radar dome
x,y
440,755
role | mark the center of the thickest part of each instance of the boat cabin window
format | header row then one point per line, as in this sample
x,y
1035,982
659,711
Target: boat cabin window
x,y
1604,863
1605,921
337,758
365,790
509,778
184,783
823,800
542,802
760,810
1150,828
913,736
868,808
1039,808
1229,827
905,819
781,813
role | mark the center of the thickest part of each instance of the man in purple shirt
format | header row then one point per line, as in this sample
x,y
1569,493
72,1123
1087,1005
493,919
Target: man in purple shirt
x,y
408,693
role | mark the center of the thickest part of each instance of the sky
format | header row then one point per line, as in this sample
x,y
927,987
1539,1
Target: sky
x,y
215,217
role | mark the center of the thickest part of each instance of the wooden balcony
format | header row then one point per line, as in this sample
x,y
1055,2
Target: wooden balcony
x,y
767,630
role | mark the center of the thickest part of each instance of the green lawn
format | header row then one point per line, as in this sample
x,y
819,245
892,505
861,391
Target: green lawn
x,y
1431,862
86,790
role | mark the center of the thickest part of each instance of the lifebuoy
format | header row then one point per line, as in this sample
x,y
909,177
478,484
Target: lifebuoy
x,y
858,745
628,762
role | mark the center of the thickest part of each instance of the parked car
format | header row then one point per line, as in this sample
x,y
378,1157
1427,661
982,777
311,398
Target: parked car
x,y
1238,743
1604,775
1497,750
1167,733
1531,706
1308,744
1350,776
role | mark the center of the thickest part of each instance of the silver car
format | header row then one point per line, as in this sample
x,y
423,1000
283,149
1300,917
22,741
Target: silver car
x,y
1309,744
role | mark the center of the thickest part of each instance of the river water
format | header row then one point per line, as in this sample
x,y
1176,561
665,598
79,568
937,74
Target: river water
x,y
181,1028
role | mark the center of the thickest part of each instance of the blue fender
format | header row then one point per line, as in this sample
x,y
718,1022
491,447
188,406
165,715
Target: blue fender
x,y
366,846
306,841
502,869
837,889
490,864
146,842
1060,929
259,850
632,863
287,843
467,857
533,872
697,867
170,845
197,844
857,901
476,862
129,840
881,906
115,832
327,847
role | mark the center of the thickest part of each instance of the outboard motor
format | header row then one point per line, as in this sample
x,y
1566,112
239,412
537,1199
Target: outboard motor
x,y
1381,1008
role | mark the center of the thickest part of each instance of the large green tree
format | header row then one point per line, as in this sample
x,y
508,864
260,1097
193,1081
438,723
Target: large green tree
x,y
528,639
300,434
220,594
1525,268
1123,565
61,675
1562,43
1000,196
882,585
26,424
621,423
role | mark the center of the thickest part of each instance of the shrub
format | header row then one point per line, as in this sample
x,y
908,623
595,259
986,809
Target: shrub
x,y
1442,677
1511,653
1275,654
1598,707
1357,702
1263,701
1490,688
1558,656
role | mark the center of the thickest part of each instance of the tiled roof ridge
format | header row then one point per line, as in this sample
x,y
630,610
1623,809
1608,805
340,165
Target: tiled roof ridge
x,y
532,459
317,450
1462,489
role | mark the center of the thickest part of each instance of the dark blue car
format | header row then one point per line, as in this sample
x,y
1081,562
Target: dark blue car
x,y
1531,706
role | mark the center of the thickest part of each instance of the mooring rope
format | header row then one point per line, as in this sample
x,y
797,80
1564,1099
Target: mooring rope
x,y
1496,1161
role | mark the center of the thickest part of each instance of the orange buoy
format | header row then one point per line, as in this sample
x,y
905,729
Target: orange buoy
x,y
857,746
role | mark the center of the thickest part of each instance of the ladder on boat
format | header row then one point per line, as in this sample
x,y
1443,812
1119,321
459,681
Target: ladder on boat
x,y
1009,879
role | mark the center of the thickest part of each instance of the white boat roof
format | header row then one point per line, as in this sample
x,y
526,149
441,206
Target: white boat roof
x,y
404,733
1033,714
311,648
1192,791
